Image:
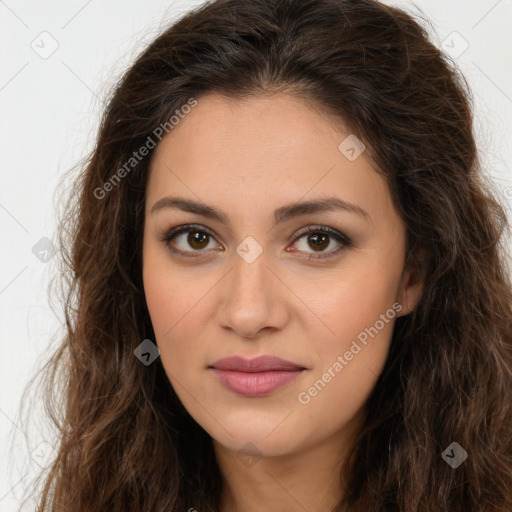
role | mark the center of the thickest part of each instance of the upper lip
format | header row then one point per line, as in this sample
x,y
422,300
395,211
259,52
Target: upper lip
x,y
258,364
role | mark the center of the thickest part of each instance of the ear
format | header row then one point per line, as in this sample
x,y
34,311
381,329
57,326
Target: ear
x,y
411,287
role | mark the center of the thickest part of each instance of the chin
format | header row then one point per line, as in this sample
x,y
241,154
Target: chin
x,y
257,441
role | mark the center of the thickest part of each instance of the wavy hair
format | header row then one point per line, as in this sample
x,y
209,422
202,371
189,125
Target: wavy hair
x,y
125,441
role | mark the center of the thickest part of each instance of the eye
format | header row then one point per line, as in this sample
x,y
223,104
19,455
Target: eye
x,y
320,237
199,239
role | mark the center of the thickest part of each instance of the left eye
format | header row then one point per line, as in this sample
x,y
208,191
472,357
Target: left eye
x,y
199,238
319,236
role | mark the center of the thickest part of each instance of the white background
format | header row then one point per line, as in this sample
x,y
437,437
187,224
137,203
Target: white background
x,y
50,110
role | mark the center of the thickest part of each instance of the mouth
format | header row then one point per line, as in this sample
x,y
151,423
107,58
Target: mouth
x,y
255,377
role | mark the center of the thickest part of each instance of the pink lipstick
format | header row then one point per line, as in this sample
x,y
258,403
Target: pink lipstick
x,y
255,377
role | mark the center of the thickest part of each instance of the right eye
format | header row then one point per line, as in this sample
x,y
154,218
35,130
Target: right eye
x,y
195,236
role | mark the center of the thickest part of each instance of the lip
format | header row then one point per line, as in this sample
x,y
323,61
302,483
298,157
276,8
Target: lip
x,y
258,364
255,377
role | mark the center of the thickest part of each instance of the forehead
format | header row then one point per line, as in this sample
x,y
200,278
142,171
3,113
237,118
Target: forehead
x,y
266,124
268,150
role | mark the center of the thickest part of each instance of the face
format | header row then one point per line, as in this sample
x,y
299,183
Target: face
x,y
242,284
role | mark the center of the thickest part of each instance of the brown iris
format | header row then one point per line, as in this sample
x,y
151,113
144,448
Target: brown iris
x,y
315,237
196,237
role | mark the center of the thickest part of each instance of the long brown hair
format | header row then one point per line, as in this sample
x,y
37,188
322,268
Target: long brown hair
x,y
126,443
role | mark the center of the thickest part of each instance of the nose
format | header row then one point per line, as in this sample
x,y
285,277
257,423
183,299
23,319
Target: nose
x,y
253,298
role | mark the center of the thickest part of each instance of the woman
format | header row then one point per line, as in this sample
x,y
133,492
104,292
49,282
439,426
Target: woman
x,y
290,292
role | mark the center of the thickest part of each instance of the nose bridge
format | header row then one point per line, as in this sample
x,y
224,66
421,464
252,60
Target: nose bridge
x,y
250,295
250,272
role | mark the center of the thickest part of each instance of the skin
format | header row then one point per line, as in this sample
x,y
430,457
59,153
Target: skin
x,y
248,158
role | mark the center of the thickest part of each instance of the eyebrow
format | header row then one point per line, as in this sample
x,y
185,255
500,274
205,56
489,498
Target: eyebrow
x,y
281,214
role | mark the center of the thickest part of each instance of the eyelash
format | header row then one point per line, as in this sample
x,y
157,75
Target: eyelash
x,y
343,240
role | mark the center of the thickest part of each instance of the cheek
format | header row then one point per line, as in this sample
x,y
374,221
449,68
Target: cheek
x,y
168,296
165,311
349,361
175,303
159,299
356,309
170,305
354,299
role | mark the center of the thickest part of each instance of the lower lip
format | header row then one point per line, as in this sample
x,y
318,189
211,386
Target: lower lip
x,y
255,384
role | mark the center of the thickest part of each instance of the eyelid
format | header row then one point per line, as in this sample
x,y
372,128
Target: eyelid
x,y
344,241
